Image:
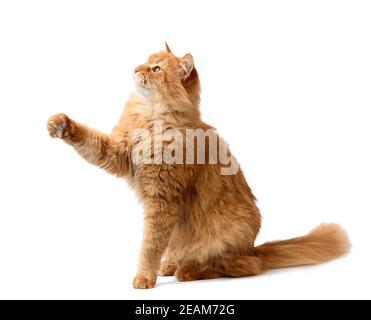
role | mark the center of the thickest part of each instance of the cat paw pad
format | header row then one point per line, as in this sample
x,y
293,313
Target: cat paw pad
x,y
59,126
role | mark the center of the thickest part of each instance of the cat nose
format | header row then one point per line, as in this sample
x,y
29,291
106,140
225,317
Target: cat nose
x,y
140,68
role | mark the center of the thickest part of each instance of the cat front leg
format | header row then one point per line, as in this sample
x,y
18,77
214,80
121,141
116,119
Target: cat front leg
x,y
169,262
159,223
92,145
167,267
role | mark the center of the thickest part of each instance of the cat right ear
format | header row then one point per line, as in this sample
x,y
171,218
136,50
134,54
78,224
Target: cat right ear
x,y
167,47
186,66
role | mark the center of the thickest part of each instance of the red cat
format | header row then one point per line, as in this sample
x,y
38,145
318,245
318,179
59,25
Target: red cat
x,y
203,223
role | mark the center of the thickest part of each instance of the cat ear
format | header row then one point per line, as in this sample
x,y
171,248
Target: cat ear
x,y
167,47
186,66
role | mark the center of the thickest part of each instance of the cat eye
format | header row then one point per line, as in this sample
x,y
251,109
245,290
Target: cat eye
x,y
156,69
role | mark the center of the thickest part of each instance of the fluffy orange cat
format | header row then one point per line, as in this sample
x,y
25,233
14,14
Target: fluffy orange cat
x,y
198,222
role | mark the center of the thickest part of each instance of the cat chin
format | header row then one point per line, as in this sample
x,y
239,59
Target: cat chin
x,y
143,91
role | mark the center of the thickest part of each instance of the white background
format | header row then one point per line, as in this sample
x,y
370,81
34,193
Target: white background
x,y
287,83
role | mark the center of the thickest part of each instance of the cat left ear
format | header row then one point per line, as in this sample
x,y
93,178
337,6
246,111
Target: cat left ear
x,y
186,66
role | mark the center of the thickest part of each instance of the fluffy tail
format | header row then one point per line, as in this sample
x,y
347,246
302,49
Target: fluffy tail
x,y
324,243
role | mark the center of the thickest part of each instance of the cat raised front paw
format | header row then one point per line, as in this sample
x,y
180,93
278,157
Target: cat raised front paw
x,y
59,126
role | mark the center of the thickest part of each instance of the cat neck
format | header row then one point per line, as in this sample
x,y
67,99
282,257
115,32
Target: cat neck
x,y
180,109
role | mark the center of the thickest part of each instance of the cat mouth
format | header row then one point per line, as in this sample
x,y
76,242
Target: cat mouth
x,y
140,79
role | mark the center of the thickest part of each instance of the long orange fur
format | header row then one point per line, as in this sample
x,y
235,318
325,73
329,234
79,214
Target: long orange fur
x,y
199,224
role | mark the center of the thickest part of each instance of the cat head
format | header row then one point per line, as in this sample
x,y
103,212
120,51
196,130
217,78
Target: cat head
x,y
168,76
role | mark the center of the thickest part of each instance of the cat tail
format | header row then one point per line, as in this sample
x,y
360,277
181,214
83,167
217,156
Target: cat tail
x,y
324,243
